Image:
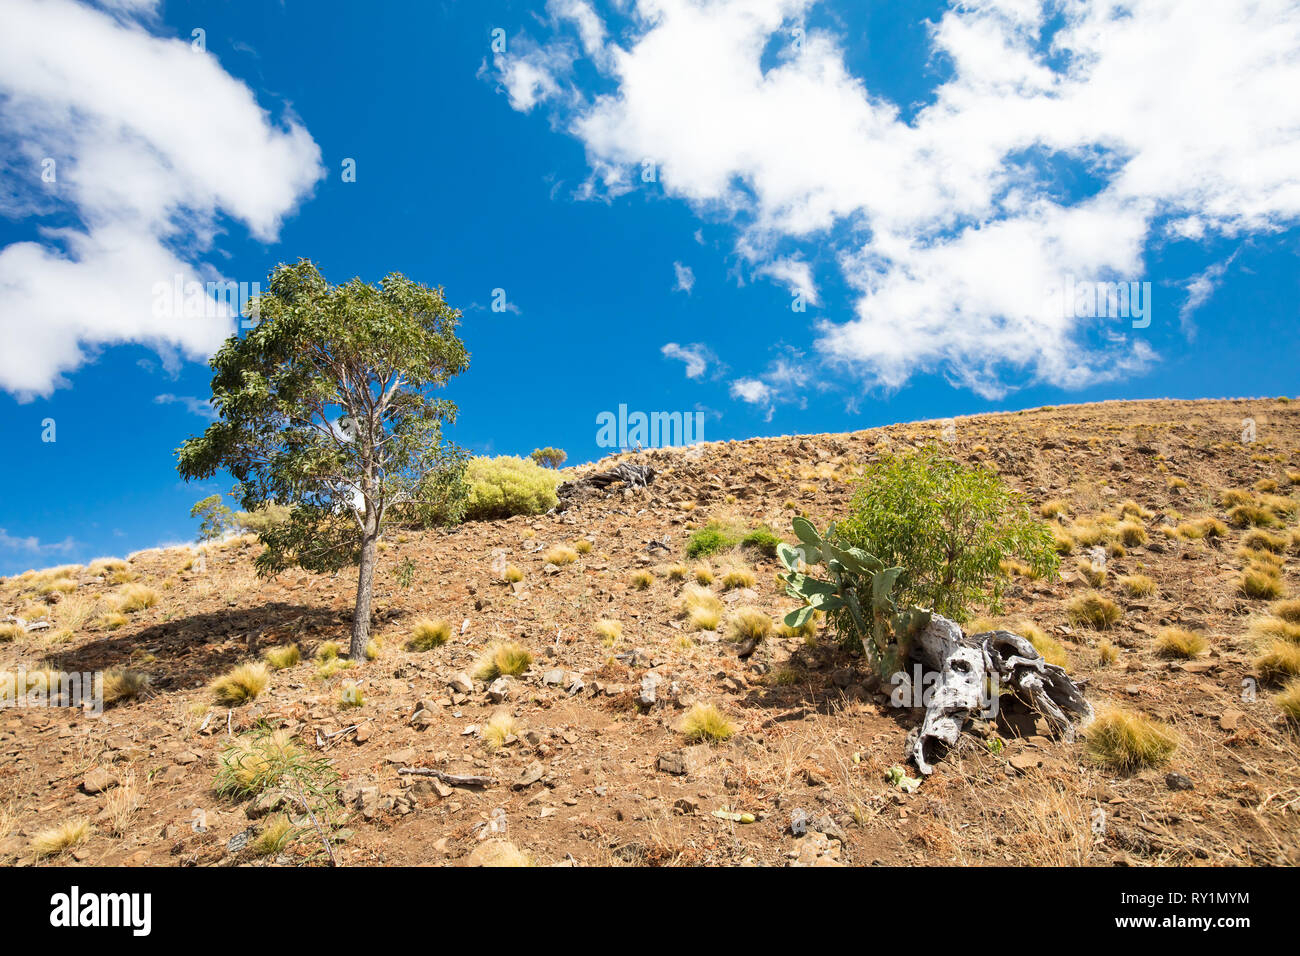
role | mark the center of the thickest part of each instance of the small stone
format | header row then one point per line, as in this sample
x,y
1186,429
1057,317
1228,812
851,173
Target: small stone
x,y
97,781
405,756
1178,781
531,774
461,683
499,690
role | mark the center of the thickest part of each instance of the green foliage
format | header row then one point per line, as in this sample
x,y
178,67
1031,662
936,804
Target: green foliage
x,y
551,457
328,400
265,517
718,536
406,572
264,761
710,539
327,408
857,596
948,526
217,519
762,539
505,486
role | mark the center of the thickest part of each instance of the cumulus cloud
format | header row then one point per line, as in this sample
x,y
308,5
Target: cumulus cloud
x,y
696,356
751,390
145,169
683,278
951,225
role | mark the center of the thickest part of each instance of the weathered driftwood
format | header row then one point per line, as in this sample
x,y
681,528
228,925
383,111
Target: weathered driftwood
x,y
632,475
451,779
971,671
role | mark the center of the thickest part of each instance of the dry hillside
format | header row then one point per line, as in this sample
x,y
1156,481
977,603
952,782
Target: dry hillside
x,y
584,773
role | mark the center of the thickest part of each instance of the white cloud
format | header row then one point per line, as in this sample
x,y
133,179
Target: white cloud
x,y
945,223
751,390
146,167
195,406
683,278
33,545
1199,289
696,356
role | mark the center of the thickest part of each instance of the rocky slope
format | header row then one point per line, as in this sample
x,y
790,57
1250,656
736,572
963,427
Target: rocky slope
x,y
589,773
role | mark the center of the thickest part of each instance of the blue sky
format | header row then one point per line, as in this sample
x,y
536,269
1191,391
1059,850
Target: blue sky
x,y
651,184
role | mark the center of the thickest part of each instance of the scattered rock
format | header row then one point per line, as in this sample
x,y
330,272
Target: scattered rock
x,y
97,781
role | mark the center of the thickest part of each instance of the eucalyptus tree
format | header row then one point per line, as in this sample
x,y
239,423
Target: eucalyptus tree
x,y
329,405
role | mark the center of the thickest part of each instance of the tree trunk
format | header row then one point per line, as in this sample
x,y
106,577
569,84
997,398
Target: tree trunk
x,y
365,589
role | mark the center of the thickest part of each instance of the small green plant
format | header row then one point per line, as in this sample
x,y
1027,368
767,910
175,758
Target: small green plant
x,y
947,527
406,573
268,760
711,539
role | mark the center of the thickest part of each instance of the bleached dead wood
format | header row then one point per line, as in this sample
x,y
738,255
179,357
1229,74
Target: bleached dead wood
x,y
970,673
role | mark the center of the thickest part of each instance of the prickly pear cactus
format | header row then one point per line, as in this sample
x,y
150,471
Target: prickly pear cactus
x,y
857,595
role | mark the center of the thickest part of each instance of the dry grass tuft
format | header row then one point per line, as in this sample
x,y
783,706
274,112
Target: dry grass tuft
x,y
502,660
60,839
278,658
609,631
748,624
135,597
560,555
1124,741
1138,585
1093,610
737,577
1288,610
1288,701
1181,643
640,580
498,730
426,635
1107,653
704,722
121,684
1280,661
240,685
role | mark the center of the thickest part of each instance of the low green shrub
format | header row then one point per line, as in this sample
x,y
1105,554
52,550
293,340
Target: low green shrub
x,y
505,486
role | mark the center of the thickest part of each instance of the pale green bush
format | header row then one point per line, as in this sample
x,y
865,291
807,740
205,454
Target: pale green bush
x,y
500,487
